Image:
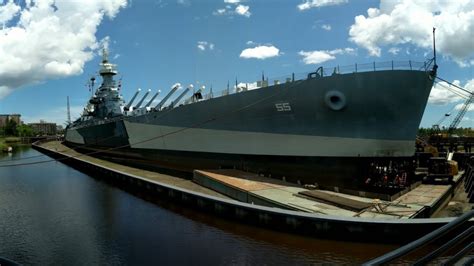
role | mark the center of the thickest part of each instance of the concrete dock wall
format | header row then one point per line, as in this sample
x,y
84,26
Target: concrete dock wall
x,y
320,226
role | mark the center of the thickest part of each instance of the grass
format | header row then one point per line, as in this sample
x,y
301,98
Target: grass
x,y
12,139
5,142
3,146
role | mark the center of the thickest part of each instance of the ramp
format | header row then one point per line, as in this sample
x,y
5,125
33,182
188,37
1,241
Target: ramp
x,y
264,191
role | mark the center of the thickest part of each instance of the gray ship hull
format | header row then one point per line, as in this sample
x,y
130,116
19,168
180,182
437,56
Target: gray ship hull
x,y
322,130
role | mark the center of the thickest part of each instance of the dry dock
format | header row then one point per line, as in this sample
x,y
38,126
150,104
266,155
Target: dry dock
x,y
283,207
251,188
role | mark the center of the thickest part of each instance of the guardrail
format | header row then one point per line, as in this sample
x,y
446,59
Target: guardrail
x,y
378,66
429,238
434,235
322,71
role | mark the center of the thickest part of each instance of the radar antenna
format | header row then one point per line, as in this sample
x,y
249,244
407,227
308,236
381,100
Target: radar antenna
x,y
105,55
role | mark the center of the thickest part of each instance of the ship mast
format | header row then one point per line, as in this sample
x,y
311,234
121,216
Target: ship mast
x,y
68,112
105,56
108,69
434,46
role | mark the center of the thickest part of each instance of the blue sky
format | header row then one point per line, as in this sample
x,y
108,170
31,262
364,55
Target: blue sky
x,y
158,43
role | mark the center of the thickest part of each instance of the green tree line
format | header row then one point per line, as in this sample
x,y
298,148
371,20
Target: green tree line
x,y
461,132
13,129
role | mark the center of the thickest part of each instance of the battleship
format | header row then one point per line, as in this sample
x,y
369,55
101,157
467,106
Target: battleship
x,y
324,127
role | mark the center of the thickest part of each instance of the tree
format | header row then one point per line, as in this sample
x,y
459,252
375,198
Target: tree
x,y
10,128
24,131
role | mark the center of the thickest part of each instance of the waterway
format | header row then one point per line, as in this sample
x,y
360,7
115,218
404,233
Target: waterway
x,y
52,214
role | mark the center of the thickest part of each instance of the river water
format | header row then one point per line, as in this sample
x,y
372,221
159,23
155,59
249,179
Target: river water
x,y
52,214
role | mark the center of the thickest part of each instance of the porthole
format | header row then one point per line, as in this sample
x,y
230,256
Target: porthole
x,y
335,100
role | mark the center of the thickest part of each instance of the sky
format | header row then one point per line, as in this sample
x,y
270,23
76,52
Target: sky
x,y
49,49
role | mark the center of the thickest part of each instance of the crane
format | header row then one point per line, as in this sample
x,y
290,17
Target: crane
x,y
457,119
463,110
461,114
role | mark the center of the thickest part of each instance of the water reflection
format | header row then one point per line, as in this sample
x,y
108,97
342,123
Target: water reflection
x,y
53,214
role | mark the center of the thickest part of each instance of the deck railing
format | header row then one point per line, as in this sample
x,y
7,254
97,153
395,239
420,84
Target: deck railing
x,y
322,71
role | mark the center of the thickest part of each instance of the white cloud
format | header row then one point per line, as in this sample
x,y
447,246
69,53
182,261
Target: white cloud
x,y
347,50
49,39
320,56
243,10
8,11
4,91
260,52
220,11
461,105
411,21
316,57
326,27
441,95
229,10
203,45
185,3
307,4
394,50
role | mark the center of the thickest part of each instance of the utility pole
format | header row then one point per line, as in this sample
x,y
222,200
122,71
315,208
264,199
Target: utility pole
x,y
68,112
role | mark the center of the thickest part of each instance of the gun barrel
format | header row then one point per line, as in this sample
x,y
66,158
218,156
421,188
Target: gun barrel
x,y
133,99
160,104
143,98
176,101
152,98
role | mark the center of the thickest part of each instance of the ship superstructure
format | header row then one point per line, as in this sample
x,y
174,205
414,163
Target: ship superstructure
x,y
320,128
106,102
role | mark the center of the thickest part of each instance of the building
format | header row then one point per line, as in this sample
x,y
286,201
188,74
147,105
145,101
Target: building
x,y
59,129
5,117
43,128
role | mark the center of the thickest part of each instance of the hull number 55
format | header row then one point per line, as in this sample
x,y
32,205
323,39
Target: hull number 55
x,y
283,107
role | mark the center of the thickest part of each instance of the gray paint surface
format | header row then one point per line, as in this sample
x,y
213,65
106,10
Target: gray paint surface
x,y
381,108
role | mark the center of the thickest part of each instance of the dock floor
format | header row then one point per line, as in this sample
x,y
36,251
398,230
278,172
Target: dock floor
x,y
251,188
457,205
